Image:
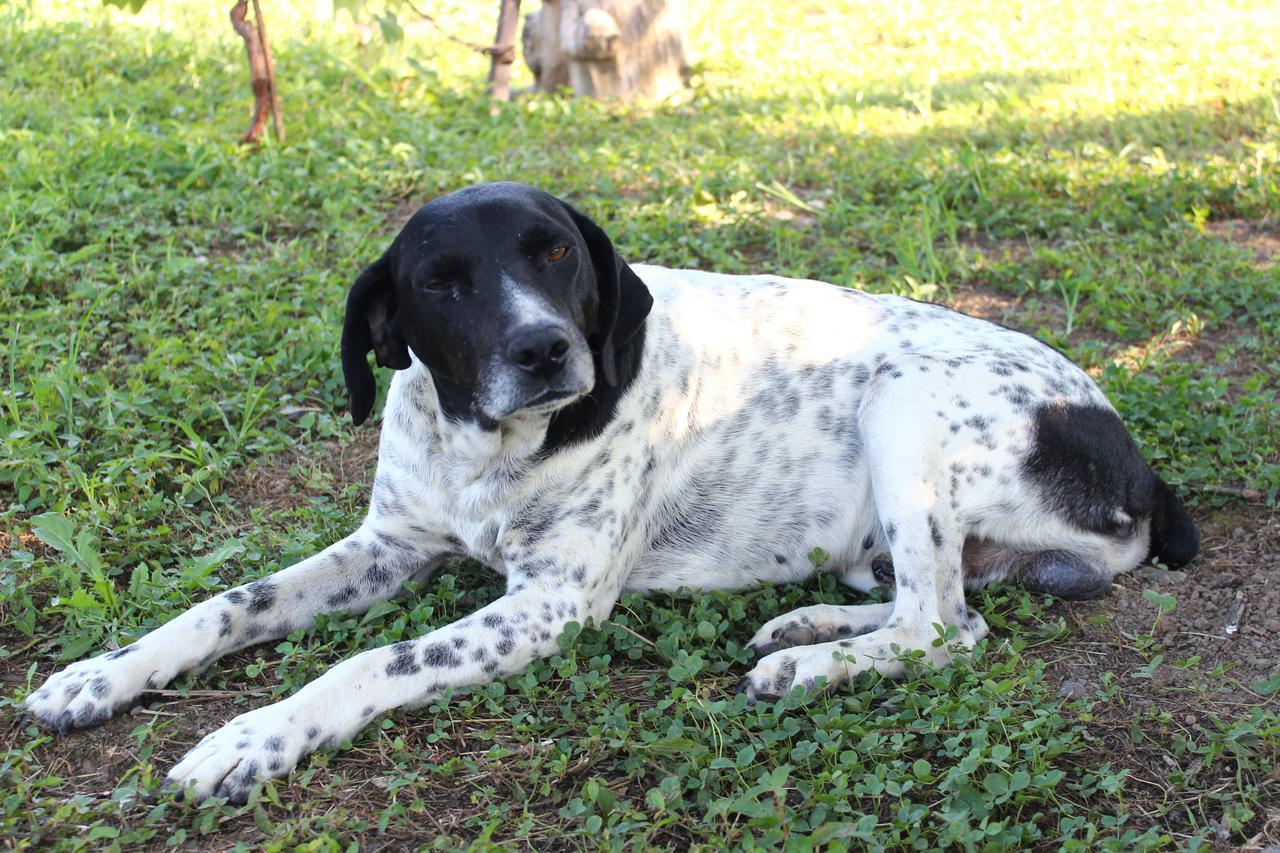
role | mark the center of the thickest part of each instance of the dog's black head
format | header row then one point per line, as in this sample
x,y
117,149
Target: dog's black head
x,y
513,300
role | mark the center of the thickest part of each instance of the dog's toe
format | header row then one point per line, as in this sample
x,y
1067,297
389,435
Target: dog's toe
x,y
233,761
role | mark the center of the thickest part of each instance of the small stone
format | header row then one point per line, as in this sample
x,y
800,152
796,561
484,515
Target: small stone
x,y
1072,690
1237,533
1224,580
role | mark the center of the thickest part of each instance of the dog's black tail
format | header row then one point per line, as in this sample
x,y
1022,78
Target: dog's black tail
x,y
1173,534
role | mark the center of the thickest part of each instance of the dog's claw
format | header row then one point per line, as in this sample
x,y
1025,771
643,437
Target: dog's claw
x,y
765,649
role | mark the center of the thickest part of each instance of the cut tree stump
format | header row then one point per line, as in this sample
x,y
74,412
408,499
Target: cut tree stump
x,y
620,49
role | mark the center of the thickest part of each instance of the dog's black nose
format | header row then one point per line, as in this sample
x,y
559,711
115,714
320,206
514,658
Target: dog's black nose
x,y
540,350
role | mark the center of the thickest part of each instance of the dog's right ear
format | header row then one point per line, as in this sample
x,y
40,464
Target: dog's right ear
x,y
370,325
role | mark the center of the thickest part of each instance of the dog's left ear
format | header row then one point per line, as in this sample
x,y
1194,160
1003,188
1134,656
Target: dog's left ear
x,y
624,300
370,325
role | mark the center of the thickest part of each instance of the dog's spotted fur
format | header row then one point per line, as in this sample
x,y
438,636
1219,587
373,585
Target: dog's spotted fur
x,y
748,420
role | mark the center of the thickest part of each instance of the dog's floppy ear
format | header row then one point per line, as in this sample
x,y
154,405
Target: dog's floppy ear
x,y
370,325
624,300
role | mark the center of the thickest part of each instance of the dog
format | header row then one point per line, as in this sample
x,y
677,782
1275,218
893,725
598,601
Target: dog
x,y
586,427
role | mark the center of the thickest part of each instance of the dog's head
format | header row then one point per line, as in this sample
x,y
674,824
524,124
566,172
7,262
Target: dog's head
x,y
513,300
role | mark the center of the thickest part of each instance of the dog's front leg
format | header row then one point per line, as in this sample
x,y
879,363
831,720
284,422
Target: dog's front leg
x,y
368,566
493,642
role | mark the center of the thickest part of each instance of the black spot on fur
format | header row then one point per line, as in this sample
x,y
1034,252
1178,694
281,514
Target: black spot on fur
x,y
224,624
262,596
891,532
786,675
493,620
341,597
935,533
235,596
275,743
402,661
119,653
440,655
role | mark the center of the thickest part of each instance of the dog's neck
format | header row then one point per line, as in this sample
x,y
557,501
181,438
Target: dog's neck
x,y
479,464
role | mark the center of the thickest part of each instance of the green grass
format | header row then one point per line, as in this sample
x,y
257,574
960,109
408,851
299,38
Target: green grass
x,y
172,303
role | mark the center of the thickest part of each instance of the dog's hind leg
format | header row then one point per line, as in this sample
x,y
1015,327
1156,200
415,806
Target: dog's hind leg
x,y
902,440
351,575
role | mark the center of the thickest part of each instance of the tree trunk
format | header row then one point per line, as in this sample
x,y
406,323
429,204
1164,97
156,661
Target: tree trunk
x,y
608,48
261,71
504,53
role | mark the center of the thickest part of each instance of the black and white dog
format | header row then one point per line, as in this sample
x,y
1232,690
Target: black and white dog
x,y
587,427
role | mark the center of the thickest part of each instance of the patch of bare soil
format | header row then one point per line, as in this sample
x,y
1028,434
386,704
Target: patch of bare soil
x,y
1017,312
1260,238
288,480
1226,617
1218,644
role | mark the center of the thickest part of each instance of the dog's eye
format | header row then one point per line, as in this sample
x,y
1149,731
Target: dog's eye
x,y
557,253
438,286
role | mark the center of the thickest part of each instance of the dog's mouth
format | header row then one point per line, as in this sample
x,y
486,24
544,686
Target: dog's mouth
x,y
549,401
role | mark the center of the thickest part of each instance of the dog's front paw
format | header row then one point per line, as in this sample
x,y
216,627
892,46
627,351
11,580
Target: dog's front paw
x,y
231,762
91,691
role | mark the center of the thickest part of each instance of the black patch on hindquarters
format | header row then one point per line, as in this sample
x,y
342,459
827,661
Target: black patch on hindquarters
x,y
1086,469
1174,538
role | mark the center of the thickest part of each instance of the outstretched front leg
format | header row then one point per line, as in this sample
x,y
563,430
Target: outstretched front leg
x,y
491,643
351,575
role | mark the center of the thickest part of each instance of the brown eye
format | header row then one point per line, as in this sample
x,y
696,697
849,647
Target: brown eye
x,y
438,286
557,253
